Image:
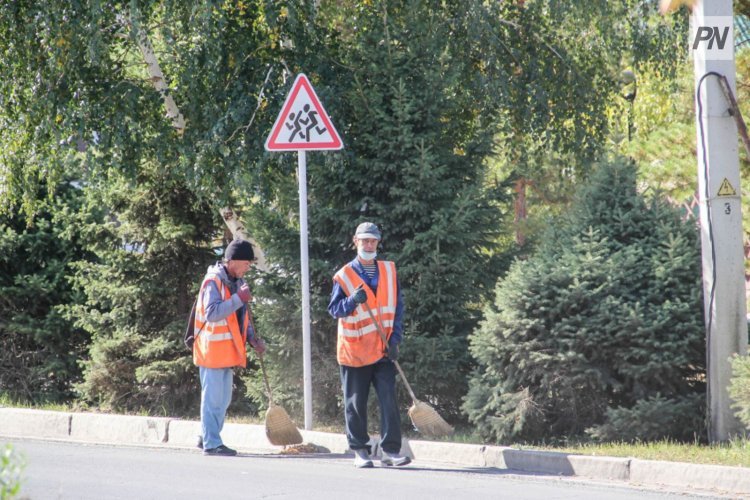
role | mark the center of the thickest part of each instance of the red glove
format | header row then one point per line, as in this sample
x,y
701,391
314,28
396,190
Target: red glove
x,y
258,345
244,293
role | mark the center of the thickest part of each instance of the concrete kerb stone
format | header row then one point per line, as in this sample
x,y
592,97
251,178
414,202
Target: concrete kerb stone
x,y
124,429
600,467
22,422
248,437
566,464
470,455
503,457
685,475
183,433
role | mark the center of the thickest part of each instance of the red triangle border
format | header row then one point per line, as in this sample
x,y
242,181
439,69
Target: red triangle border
x,y
271,141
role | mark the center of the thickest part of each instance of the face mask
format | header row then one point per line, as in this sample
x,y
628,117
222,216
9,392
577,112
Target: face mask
x,y
366,255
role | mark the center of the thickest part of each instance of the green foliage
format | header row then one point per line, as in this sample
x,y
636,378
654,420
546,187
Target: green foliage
x,y
663,135
76,94
606,314
739,388
138,297
11,468
41,349
562,100
648,419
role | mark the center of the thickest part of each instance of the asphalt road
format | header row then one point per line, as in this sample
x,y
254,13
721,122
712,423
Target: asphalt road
x,y
64,470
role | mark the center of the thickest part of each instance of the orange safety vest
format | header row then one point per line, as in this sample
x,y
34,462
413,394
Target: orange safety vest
x,y
359,343
220,344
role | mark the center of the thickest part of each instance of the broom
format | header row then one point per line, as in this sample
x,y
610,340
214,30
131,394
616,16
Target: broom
x,y
423,416
280,430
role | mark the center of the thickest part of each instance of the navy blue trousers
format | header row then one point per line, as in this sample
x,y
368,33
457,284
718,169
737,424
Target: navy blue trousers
x,y
356,385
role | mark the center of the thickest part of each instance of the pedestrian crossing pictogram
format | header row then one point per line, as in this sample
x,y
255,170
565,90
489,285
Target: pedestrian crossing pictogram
x,y
303,124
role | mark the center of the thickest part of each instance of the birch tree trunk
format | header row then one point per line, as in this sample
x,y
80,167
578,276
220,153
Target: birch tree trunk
x,y
157,77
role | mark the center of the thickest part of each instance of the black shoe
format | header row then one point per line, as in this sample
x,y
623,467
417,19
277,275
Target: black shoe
x,y
221,451
200,443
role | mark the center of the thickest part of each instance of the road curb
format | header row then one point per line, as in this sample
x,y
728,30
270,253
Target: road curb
x,y
20,422
118,428
707,477
471,455
162,431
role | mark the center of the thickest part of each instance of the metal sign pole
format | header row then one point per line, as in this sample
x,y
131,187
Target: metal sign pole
x,y
305,277
302,125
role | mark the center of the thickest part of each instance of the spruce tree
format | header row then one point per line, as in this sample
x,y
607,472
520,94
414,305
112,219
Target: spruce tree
x,y
41,348
153,245
600,329
416,137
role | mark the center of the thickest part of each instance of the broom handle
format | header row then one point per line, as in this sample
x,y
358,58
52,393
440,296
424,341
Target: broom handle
x,y
260,357
385,342
406,382
265,378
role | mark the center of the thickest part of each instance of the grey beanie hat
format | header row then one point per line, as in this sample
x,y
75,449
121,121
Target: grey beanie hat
x,y
367,230
239,250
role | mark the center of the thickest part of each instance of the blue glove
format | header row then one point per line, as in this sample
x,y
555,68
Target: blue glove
x,y
393,350
359,296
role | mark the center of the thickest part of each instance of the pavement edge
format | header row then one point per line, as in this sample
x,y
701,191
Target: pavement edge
x,y
164,431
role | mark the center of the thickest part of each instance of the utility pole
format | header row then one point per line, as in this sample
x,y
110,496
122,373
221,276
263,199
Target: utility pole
x,y
712,47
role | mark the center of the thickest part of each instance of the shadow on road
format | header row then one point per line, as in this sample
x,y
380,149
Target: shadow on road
x,y
413,467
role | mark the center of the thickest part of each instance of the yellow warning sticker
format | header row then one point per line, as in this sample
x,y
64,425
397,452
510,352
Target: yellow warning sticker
x,y
726,189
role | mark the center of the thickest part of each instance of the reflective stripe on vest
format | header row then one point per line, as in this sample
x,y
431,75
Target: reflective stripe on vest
x,y
220,344
359,343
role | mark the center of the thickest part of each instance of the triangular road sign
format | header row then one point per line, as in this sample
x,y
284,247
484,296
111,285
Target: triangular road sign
x,y
726,189
303,124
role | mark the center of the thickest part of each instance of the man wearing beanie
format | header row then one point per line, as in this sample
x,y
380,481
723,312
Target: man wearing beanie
x,y
222,320
364,359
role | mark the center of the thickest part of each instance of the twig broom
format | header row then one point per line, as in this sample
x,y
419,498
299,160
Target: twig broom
x,y
424,417
280,429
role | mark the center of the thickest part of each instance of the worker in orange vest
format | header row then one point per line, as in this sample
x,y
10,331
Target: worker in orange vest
x,y
363,357
223,325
